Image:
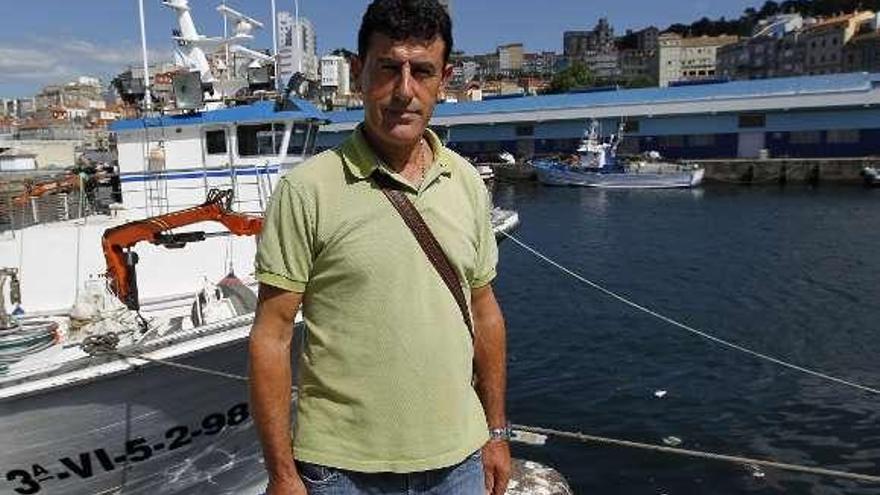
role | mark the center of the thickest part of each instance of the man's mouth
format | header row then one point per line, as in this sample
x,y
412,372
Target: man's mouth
x,y
404,114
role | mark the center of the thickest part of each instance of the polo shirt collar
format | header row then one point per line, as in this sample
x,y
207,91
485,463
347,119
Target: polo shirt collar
x,y
362,161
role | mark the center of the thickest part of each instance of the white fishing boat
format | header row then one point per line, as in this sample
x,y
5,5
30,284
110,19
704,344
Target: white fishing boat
x,y
596,165
103,309
79,423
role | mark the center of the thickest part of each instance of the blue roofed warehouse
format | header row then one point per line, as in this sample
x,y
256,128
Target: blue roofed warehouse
x,y
803,117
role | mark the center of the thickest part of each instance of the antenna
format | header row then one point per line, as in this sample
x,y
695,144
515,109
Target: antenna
x,y
148,103
244,24
226,37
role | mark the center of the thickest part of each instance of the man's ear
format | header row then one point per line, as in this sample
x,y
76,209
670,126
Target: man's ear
x,y
447,76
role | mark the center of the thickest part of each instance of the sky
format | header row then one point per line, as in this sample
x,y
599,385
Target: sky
x,y
53,41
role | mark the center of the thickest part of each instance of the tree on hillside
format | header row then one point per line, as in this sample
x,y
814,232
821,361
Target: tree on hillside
x,y
640,82
770,8
575,76
750,16
344,52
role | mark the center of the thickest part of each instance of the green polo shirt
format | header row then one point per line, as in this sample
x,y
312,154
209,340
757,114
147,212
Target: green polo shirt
x,y
387,365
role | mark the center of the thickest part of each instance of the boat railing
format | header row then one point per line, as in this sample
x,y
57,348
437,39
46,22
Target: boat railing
x,y
51,208
250,192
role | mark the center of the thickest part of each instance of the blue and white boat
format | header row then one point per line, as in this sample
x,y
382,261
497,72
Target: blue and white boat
x,y
596,165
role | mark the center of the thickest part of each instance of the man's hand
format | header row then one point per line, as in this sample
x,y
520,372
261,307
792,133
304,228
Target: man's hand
x,y
289,486
496,466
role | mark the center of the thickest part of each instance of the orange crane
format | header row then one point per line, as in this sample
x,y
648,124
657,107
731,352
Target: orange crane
x,y
118,241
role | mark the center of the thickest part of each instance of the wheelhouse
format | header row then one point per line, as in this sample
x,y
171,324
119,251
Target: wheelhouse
x,y
170,162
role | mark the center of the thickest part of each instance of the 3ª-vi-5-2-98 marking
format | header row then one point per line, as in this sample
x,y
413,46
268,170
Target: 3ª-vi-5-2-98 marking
x,y
84,465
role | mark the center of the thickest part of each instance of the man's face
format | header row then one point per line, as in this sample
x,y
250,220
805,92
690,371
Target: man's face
x,y
401,81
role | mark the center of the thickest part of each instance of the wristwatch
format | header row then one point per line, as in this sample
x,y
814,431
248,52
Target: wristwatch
x,y
505,433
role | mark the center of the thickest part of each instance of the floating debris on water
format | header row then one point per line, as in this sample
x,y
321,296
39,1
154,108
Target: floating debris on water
x,y
672,441
756,471
528,437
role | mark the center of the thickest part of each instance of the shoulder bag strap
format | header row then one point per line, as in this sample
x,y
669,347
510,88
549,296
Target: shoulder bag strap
x,y
413,219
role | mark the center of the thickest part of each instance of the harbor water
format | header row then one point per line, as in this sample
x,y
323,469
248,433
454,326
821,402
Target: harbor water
x,y
791,272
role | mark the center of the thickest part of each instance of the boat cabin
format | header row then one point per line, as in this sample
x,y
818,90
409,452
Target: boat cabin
x,y
170,162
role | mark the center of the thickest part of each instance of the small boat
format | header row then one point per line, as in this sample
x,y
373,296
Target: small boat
x,y
508,169
871,176
596,165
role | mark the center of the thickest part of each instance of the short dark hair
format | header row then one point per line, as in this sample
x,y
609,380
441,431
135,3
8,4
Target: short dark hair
x,y
406,19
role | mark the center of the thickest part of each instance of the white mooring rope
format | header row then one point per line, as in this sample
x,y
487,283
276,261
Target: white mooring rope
x,y
688,328
584,438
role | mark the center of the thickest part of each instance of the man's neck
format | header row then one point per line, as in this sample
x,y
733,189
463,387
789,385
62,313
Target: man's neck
x,y
397,158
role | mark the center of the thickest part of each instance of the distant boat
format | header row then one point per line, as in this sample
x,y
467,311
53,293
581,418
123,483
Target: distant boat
x,y
596,165
507,168
872,176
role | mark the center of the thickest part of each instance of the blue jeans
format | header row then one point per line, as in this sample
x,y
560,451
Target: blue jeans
x,y
465,478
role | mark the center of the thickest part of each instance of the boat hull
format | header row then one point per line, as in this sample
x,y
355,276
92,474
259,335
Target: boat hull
x,y
557,175
150,429
518,172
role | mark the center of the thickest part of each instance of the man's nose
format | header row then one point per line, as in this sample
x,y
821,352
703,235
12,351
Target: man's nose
x,y
404,88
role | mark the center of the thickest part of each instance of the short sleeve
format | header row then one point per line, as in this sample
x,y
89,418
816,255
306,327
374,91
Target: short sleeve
x,y
487,248
285,251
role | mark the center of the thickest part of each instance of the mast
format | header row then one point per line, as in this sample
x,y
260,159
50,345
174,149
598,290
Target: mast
x,y
299,41
148,100
226,44
275,44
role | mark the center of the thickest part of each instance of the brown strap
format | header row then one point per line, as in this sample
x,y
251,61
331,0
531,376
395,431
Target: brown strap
x,y
413,219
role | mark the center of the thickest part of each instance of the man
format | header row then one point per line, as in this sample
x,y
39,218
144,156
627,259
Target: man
x,y
387,397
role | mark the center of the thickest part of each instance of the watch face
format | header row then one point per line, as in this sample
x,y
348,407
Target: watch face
x,y
500,433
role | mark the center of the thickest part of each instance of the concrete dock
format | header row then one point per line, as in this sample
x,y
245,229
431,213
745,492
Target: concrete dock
x,y
787,170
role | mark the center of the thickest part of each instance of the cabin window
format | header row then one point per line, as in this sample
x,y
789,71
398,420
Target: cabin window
x,y
266,139
843,136
312,138
752,120
631,126
256,140
805,137
215,142
297,138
